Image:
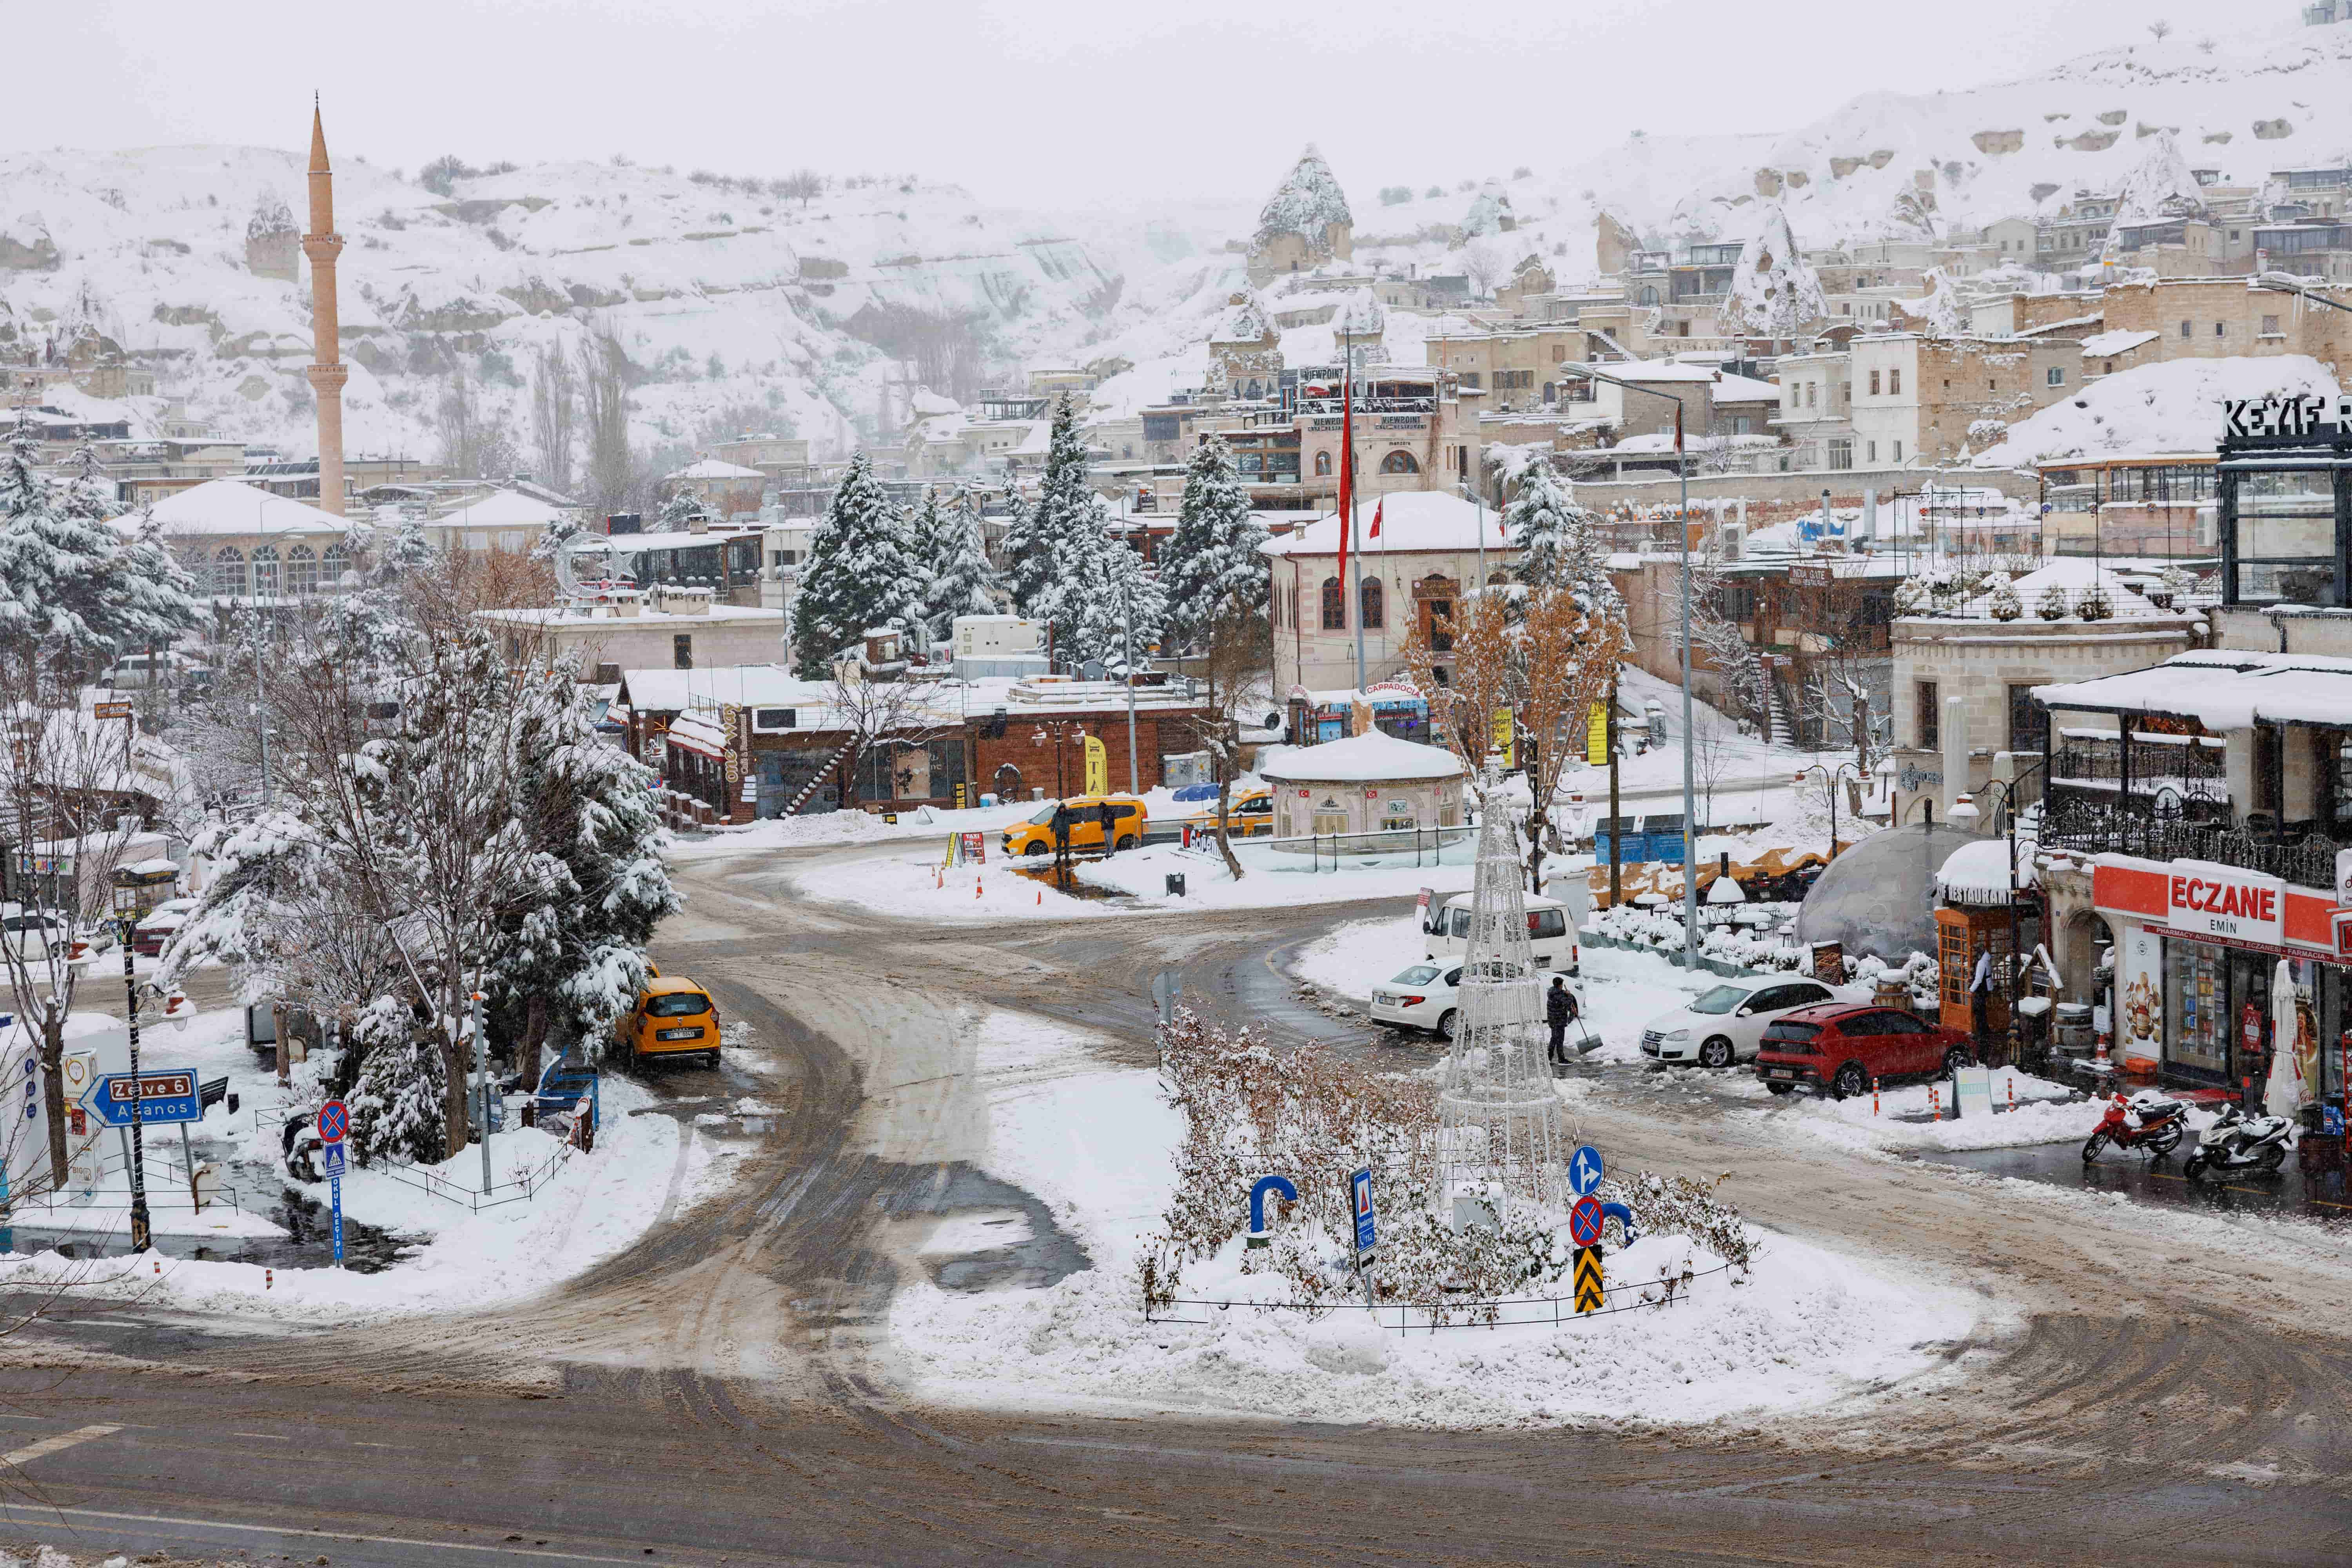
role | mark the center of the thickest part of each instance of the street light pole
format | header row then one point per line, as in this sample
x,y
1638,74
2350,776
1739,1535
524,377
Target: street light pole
x,y
141,1226
1830,776
1690,774
1126,642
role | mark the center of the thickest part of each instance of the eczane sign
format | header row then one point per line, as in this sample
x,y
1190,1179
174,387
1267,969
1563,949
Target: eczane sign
x,y
2223,900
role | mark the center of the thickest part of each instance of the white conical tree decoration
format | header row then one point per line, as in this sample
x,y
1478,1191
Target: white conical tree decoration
x,y
1499,1117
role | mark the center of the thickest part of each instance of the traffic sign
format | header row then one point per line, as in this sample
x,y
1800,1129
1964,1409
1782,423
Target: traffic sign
x,y
1584,1169
1589,1295
333,1161
1363,1182
170,1094
334,1121
1584,1221
110,711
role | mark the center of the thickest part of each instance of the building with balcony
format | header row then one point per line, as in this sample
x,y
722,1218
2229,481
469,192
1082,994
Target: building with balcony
x,y
2150,504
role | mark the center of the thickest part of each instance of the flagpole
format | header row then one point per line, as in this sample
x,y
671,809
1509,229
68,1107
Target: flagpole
x,y
1348,435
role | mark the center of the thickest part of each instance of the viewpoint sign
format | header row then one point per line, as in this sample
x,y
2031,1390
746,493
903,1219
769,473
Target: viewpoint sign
x,y
2222,900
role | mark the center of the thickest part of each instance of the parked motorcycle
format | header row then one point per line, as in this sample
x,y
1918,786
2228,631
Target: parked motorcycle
x,y
2148,1120
2237,1141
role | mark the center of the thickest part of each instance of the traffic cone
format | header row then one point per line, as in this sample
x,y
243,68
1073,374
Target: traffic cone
x,y
1935,1104
1873,1097
268,1278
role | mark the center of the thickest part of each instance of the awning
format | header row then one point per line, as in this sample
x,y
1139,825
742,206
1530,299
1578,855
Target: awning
x,y
2221,690
700,736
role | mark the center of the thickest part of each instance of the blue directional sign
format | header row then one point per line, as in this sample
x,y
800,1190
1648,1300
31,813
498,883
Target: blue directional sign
x,y
333,1162
1365,1231
1584,1169
169,1094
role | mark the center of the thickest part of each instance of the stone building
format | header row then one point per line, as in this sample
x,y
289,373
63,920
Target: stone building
x,y
273,245
1245,348
241,543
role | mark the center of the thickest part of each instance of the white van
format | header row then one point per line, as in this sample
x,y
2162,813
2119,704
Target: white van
x,y
1551,934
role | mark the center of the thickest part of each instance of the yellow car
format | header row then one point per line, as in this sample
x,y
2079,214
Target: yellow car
x,y
672,1016
1035,835
1249,815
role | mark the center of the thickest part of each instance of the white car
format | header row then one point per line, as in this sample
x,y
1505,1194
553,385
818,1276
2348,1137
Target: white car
x,y
1425,998
1727,1024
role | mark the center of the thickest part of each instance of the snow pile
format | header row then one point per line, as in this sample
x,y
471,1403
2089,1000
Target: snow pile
x,y
2046,1112
2175,406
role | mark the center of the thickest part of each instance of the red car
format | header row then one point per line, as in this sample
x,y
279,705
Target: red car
x,y
1839,1046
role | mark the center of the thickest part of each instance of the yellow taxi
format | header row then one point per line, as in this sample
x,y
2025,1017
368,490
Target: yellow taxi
x,y
1249,815
672,1016
1034,835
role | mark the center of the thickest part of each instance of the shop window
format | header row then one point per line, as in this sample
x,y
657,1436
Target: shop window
x,y
1335,606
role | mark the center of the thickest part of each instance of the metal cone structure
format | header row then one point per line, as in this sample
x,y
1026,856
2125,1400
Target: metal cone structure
x,y
1499,1119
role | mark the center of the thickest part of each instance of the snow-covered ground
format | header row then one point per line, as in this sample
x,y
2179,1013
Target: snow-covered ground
x,y
591,1205
2046,1112
1809,1325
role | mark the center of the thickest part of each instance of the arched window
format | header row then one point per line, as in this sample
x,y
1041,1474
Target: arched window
x,y
1322,465
1375,610
301,570
1335,606
1399,463
229,571
333,565
1649,295
1252,390
265,570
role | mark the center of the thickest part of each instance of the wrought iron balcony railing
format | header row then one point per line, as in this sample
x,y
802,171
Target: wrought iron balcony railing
x,y
2171,831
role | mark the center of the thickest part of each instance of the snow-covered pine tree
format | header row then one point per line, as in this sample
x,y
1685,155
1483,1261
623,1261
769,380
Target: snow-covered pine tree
x,y
927,544
397,1103
1557,542
1130,610
566,962
1211,567
859,575
1036,549
963,581
69,584
1029,565
678,512
1071,604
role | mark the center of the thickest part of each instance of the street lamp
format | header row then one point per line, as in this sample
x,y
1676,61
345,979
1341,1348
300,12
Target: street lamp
x,y
176,1012
1690,778
1830,777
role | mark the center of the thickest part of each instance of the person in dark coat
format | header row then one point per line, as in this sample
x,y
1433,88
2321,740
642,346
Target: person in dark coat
x,y
1109,815
1559,1010
1061,830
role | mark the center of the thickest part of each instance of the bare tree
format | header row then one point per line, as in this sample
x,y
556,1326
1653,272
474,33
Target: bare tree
x,y
1485,267
1710,755
554,415
1568,660
893,715
1233,655
613,476
458,422
68,809
804,185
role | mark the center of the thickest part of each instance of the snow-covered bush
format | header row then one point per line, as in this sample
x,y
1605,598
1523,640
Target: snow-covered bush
x,y
2095,605
1913,597
2051,606
2002,601
398,1103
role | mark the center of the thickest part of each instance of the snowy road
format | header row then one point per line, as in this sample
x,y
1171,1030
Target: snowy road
x,y
722,1391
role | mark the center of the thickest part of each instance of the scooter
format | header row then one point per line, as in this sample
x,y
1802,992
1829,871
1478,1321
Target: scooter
x,y
2148,1120
2237,1141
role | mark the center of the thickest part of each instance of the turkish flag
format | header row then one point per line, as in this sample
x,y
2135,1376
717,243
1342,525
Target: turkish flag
x,y
1376,517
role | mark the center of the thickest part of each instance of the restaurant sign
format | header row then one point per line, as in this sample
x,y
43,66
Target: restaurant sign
x,y
2282,414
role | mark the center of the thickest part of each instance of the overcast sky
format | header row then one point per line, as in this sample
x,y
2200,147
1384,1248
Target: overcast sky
x,y
1030,102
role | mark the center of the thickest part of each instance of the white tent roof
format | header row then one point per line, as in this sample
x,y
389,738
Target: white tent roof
x,y
1410,520
504,509
230,507
1372,757
712,469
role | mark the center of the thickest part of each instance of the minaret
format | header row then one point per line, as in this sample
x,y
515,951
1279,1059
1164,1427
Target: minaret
x,y
328,372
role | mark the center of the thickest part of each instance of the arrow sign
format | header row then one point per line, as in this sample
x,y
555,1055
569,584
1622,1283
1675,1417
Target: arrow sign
x,y
167,1095
1584,1169
1589,1295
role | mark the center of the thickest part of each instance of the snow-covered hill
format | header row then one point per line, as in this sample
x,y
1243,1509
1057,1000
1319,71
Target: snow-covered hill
x,y
737,307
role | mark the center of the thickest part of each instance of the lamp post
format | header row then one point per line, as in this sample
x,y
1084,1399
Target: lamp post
x,y
174,1010
1690,781
1830,776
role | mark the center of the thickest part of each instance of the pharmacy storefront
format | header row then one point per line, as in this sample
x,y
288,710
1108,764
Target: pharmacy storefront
x,y
2198,948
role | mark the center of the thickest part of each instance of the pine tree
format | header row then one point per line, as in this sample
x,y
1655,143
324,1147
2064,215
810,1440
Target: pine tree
x,y
1212,569
859,575
963,581
397,1101
70,585
1029,564
1040,542
926,530
566,964
1131,611
1070,605
679,513
1556,543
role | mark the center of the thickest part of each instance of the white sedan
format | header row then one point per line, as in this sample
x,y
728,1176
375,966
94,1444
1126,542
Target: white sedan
x,y
1426,996
1727,1024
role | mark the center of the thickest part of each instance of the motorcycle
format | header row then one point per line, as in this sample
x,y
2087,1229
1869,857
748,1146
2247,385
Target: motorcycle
x,y
2148,1120
2237,1141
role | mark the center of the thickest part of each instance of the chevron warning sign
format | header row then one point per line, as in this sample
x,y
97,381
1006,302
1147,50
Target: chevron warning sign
x,y
1588,1279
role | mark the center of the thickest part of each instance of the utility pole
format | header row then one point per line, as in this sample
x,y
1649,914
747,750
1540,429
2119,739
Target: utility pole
x,y
1355,487
1616,822
141,1226
482,1089
1127,641
1690,789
